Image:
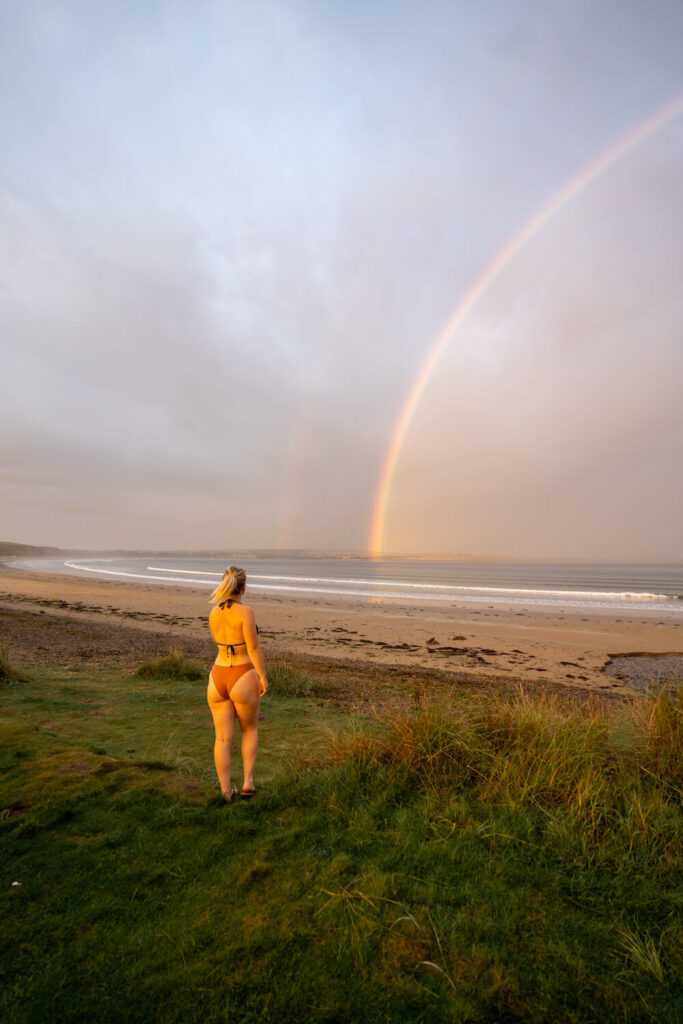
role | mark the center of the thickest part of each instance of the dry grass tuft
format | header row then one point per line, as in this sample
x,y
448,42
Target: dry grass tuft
x,y
9,671
286,681
176,665
659,719
642,952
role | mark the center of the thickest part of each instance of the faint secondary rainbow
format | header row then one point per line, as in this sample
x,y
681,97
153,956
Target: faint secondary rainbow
x,y
574,187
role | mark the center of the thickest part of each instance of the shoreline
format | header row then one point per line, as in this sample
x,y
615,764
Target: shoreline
x,y
580,649
544,595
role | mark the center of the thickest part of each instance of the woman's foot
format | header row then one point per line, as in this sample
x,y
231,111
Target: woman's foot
x,y
229,796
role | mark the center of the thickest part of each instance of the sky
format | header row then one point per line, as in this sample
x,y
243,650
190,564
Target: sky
x,y
230,234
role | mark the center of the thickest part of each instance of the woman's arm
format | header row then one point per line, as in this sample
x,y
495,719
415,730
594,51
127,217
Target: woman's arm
x,y
254,647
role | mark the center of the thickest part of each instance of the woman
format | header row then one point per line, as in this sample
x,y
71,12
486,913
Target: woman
x,y
237,680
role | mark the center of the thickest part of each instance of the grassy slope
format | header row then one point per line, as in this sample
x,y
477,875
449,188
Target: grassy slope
x,y
368,881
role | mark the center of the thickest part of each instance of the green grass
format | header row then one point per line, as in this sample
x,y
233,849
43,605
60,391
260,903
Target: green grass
x,y
478,860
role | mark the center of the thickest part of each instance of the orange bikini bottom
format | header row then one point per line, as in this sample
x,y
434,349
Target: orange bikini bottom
x,y
225,676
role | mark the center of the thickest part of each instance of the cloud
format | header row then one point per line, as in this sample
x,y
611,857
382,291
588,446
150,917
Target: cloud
x,y
231,235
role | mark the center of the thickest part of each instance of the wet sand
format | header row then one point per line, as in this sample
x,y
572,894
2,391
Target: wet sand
x,y
577,648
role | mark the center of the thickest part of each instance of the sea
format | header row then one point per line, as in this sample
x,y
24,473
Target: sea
x,y
555,585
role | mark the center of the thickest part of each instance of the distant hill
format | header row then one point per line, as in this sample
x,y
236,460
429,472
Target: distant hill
x,y
8,547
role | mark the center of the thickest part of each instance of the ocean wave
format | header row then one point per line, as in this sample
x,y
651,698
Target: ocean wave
x,y
459,588
391,589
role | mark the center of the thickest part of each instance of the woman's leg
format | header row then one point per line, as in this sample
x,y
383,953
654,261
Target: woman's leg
x,y
223,712
246,696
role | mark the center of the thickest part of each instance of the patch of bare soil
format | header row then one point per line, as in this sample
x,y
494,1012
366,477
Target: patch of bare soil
x,y
41,639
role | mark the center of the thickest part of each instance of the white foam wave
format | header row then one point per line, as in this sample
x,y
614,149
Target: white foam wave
x,y
133,575
195,572
599,599
459,588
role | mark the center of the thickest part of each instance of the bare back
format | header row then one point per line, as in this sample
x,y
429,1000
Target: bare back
x,y
230,630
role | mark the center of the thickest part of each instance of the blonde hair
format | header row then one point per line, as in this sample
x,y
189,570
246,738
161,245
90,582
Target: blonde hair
x,y
233,583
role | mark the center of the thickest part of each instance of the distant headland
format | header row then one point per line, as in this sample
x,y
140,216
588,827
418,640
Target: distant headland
x,y
12,549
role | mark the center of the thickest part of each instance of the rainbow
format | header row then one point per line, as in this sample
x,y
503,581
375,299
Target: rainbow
x,y
574,187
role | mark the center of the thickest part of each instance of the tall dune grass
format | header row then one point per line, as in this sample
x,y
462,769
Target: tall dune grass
x,y
659,722
525,750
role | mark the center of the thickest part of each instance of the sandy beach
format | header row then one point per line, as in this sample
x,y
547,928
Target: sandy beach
x,y
48,619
